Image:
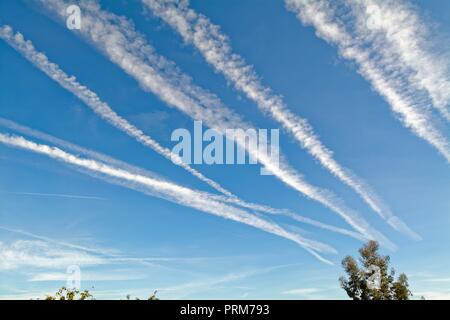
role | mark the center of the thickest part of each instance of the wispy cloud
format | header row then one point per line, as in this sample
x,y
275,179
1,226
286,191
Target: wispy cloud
x,y
116,38
310,293
167,190
56,195
436,280
213,283
92,100
215,47
302,291
86,276
99,251
28,295
113,256
412,113
41,254
396,31
434,295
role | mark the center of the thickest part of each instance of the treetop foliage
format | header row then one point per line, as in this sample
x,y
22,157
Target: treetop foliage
x,y
357,283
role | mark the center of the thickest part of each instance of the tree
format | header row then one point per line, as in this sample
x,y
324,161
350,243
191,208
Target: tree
x,y
70,294
151,297
74,294
373,280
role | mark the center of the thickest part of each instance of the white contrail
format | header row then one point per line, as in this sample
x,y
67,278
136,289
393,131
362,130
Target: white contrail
x,y
321,15
116,38
56,195
91,99
58,242
413,115
293,215
123,165
72,147
395,30
112,254
168,190
215,47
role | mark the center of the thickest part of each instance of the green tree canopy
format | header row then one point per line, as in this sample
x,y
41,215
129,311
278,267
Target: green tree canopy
x,y
371,279
73,294
70,294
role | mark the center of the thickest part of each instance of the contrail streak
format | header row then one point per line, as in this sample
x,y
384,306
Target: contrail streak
x,y
293,215
321,15
57,195
123,165
70,146
395,30
91,99
215,47
168,190
116,38
414,116
58,242
112,254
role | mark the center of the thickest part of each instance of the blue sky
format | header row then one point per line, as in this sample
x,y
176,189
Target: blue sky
x,y
53,215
